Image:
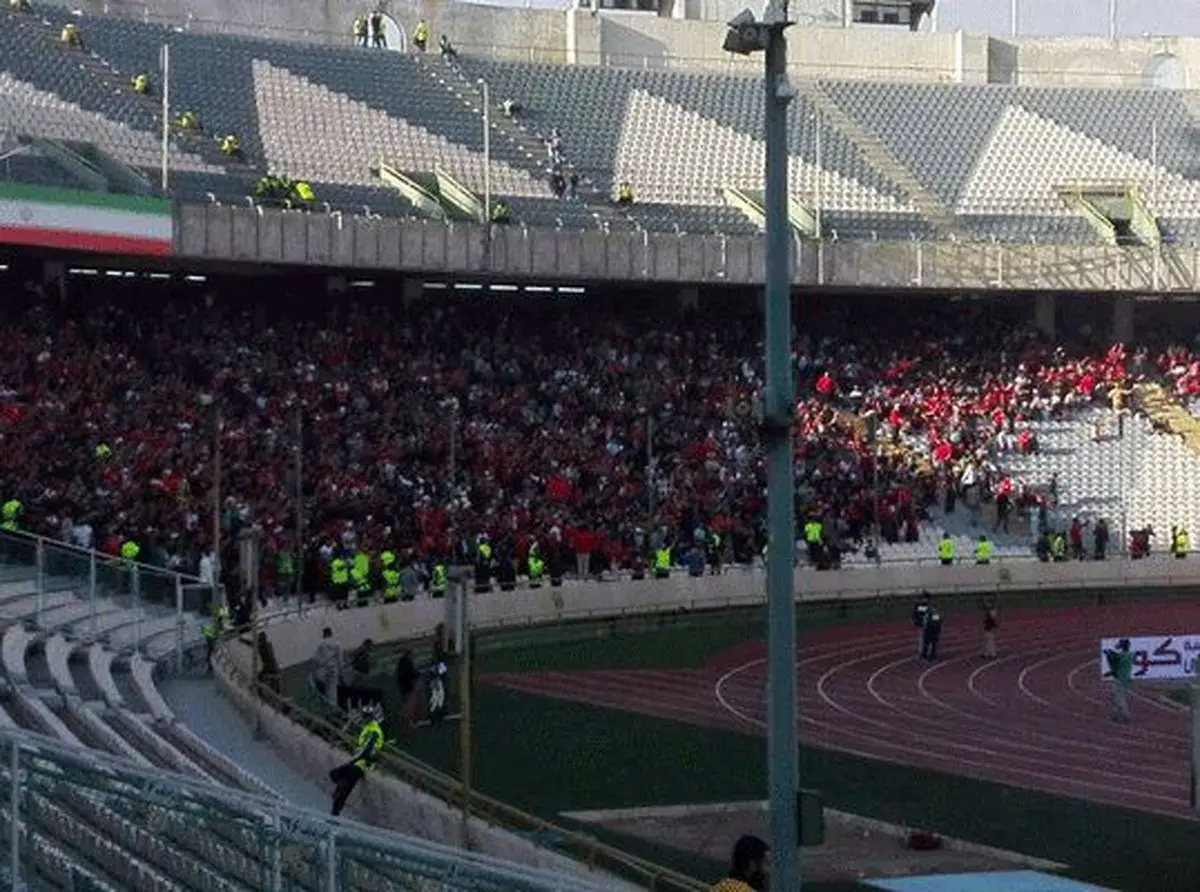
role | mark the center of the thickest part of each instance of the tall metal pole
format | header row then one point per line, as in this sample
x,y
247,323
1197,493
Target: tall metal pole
x,y
1112,19
487,152
1015,15
464,708
778,412
298,568
216,507
818,196
166,115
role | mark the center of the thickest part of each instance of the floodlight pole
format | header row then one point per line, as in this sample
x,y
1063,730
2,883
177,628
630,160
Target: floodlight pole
x,y
778,413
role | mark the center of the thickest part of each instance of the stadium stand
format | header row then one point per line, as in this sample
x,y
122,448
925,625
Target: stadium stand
x,y
90,821
879,158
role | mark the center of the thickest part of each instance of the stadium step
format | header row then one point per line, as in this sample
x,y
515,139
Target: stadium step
x,y
877,153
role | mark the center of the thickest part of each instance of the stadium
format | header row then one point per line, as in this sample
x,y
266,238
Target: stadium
x,y
437,326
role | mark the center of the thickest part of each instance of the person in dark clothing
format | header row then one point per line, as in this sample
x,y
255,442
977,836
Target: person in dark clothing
x,y
406,683
749,868
506,571
920,613
932,632
268,672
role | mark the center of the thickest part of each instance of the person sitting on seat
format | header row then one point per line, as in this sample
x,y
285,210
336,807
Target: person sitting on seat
x,y
421,35
446,48
188,122
500,213
71,36
140,83
231,147
625,193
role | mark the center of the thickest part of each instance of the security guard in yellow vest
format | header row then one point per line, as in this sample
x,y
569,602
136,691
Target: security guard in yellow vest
x,y
140,83
812,540
360,30
483,568
391,577
339,581
421,35
301,197
188,121
748,871
130,550
438,580
500,213
102,452
366,754
625,193
662,563
536,567
1058,547
214,629
360,578
10,515
945,550
70,36
1179,543
231,146
983,551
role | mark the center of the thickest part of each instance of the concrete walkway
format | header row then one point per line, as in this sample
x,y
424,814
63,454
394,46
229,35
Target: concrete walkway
x,y
199,705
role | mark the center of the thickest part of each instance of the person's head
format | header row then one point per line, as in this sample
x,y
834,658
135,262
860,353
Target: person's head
x,y
750,862
1123,645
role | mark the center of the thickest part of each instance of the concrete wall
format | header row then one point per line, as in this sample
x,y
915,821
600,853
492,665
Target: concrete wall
x,y
1098,62
514,253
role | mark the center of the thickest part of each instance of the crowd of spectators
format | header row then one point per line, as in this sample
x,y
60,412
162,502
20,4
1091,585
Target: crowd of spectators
x,y
599,423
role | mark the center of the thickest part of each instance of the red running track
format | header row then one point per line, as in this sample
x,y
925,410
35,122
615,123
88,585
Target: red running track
x,y
1037,717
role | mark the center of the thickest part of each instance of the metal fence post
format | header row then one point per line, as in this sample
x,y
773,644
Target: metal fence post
x,y
92,570
14,814
178,624
137,606
40,575
331,873
276,824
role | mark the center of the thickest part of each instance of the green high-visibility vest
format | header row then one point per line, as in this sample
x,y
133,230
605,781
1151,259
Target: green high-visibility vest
x,y
983,551
812,532
662,559
369,730
437,582
536,567
338,574
130,550
391,584
945,549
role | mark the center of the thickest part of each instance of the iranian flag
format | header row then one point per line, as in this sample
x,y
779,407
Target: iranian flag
x,y
85,221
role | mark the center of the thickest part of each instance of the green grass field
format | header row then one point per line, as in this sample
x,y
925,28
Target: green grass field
x,y
548,756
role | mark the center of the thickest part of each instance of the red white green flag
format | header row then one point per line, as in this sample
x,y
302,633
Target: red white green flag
x,y
85,221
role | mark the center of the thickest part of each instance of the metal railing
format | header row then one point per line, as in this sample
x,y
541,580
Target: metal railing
x,y
62,791
585,849
102,581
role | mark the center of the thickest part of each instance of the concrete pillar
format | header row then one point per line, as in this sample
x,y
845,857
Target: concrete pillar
x,y
689,297
1122,322
1045,311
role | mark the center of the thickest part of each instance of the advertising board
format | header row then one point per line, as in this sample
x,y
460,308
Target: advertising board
x,y
1157,657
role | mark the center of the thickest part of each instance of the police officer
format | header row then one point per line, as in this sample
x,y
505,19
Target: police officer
x,y
662,562
983,551
1179,542
945,550
389,577
369,746
421,35
536,567
932,632
339,581
438,579
748,871
920,613
10,515
812,540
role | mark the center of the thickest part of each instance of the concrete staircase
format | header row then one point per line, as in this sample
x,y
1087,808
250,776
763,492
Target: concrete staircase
x,y
925,202
530,145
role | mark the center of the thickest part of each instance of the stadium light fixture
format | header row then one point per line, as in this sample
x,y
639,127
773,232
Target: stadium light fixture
x,y
746,36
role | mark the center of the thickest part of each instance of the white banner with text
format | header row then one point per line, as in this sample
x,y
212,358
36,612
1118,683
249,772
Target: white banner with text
x,y
1156,657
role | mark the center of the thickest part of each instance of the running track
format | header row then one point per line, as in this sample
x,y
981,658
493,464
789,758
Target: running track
x,y
1037,717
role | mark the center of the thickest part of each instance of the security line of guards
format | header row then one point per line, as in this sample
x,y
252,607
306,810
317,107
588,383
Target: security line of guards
x,y
354,577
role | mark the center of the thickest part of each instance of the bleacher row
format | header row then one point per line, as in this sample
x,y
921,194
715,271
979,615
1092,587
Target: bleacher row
x,y
994,156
